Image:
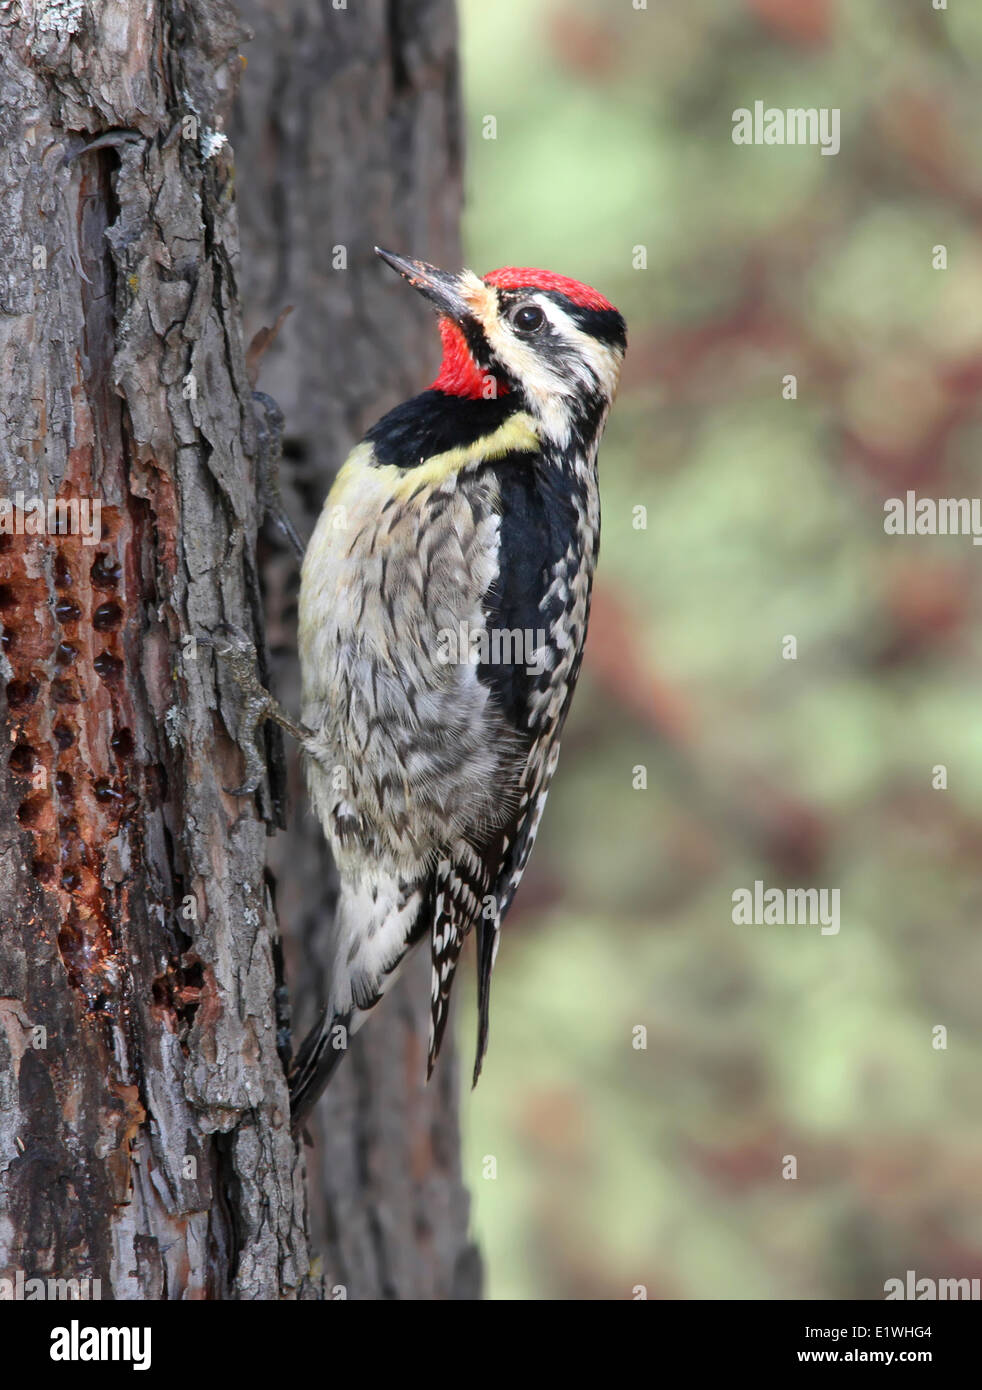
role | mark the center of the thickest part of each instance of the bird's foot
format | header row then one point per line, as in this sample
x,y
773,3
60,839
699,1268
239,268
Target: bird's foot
x,y
238,655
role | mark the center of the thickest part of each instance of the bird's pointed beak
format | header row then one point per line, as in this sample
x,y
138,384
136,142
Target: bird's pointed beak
x,y
442,289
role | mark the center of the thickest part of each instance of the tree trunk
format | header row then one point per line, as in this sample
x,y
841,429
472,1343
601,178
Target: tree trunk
x,y
346,131
144,1137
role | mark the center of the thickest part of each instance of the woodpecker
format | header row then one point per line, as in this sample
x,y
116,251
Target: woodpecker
x,y
444,601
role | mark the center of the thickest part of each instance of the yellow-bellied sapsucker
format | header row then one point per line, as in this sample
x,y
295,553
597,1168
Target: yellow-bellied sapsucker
x,y
443,610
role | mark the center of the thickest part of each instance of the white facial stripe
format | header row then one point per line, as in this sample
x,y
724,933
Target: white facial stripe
x,y
587,364
596,363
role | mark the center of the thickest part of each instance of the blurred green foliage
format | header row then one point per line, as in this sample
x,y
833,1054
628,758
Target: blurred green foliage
x,y
662,1167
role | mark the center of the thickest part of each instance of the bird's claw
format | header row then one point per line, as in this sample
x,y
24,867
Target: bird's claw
x,y
238,654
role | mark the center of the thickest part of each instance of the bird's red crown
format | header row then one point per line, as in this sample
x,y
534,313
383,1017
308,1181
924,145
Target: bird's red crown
x,y
518,277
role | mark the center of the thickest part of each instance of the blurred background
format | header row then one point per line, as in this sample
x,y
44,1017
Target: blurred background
x,y
613,162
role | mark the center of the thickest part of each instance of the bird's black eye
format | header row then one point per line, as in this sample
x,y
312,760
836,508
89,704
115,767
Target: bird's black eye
x,y
528,317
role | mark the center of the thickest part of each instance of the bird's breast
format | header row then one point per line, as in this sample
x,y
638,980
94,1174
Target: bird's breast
x,y
409,748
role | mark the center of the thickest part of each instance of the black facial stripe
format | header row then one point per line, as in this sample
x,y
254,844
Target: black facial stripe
x,y
477,343
606,325
480,349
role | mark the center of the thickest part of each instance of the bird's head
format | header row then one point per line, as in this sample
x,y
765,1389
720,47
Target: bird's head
x,y
556,344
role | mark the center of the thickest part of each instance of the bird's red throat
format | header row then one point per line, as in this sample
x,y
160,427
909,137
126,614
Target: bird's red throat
x,y
459,374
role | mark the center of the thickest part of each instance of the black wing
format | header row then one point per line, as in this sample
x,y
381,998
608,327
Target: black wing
x,y
540,552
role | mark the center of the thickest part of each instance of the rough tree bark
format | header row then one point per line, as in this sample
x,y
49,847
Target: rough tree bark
x,y
346,130
144,1138
143,1113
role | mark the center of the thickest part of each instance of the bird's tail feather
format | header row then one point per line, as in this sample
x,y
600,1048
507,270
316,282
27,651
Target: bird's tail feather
x,y
319,1055
373,933
488,934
